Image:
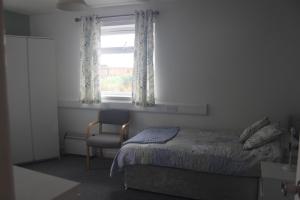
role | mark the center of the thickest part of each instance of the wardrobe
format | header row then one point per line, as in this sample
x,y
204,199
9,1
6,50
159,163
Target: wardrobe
x,y
32,98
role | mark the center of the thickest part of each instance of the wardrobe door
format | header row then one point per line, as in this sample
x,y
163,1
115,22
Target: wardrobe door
x,y
18,99
42,76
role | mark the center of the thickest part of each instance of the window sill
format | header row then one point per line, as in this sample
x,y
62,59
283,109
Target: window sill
x,y
158,108
116,99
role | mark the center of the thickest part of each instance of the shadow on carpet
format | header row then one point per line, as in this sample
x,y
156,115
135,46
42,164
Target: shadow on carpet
x,y
95,184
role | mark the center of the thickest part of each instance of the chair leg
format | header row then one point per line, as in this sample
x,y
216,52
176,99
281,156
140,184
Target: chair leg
x,y
87,157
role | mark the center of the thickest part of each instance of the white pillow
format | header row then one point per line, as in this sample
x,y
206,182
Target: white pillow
x,y
262,136
249,131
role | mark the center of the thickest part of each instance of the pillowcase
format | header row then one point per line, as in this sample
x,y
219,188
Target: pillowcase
x,y
249,131
262,136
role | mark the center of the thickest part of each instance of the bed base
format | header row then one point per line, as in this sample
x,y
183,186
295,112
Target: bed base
x,y
191,184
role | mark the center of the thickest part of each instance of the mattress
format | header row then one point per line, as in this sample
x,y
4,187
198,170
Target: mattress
x,y
216,152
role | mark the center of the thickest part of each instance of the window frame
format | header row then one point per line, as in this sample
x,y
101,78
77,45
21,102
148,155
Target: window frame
x,y
115,97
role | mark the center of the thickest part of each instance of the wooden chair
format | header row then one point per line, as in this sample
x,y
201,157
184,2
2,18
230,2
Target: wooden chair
x,y
107,139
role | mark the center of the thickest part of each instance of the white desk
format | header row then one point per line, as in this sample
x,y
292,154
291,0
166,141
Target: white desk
x,y
31,185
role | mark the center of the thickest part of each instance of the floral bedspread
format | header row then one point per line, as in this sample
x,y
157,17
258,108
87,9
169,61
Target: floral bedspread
x,y
206,151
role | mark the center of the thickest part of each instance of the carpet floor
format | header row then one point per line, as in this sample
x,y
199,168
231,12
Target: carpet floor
x,y
95,184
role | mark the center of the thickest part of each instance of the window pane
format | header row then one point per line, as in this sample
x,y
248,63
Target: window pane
x,y
116,74
119,60
117,40
117,46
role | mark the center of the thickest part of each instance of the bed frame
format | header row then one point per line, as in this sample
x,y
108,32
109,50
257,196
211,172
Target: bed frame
x,y
191,184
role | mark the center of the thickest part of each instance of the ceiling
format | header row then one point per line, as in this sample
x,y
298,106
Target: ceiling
x,y
46,6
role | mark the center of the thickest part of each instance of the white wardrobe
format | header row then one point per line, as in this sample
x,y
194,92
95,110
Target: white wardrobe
x,y
32,98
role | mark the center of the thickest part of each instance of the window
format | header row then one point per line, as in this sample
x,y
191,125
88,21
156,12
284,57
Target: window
x,y
117,54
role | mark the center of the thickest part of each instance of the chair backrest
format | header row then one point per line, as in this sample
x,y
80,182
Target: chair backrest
x,y
114,116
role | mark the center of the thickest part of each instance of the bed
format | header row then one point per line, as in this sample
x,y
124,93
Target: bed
x,y
196,164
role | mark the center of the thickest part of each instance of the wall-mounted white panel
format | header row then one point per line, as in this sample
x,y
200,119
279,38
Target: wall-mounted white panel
x,y
18,99
43,98
158,108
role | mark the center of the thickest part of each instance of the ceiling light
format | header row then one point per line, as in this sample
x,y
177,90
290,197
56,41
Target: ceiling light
x,y
71,5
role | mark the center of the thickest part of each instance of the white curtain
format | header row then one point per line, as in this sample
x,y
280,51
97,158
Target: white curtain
x,y
143,72
90,46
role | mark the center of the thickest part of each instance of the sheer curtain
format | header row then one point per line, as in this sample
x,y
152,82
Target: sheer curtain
x,y
143,72
90,47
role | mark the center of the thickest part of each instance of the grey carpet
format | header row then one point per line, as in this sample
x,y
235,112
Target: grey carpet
x,y
95,183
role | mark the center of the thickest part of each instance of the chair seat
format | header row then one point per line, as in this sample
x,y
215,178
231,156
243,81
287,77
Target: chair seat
x,y
104,140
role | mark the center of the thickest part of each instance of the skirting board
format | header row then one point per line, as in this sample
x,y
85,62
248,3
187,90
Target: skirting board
x,y
158,108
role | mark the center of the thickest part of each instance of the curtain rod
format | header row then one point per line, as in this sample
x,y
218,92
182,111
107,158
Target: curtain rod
x,y
78,19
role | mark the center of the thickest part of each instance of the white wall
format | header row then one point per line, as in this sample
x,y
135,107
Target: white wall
x,y
240,57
